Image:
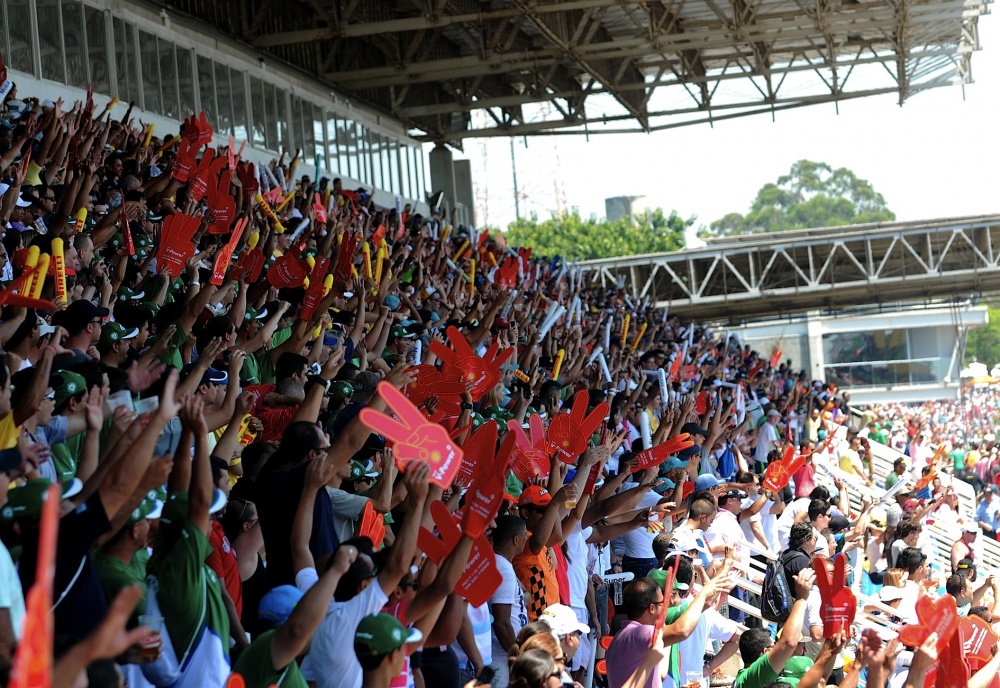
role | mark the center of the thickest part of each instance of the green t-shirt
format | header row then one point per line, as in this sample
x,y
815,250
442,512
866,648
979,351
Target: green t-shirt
x,y
891,480
116,575
757,675
958,459
178,562
65,457
879,437
256,667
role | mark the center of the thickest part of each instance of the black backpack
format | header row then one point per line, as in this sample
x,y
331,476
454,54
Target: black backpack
x,y
776,593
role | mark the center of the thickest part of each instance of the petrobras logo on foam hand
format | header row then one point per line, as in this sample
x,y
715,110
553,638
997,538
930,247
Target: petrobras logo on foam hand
x,y
5,88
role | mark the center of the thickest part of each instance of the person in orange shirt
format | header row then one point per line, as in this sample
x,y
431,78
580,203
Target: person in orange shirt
x,y
536,565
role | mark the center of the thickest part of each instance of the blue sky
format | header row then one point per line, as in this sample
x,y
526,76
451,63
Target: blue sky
x,y
936,156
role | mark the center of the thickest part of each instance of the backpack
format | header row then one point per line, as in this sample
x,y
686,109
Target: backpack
x,y
776,594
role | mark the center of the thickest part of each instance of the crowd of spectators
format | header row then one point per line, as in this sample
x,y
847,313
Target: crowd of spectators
x,y
197,352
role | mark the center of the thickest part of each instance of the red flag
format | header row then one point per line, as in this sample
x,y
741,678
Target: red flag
x,y
33,661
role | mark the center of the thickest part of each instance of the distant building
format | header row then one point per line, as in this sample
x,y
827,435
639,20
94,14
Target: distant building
x,y
625,206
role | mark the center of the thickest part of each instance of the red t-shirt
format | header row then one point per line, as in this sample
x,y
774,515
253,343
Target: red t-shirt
x,y
223,562
274,418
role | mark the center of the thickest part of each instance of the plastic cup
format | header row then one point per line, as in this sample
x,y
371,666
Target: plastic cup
x,y
151,643
692,679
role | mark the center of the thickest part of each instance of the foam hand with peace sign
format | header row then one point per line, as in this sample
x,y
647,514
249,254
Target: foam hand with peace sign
x,y
486,494
480,578
462,363
779,472
654,456
478,449
530,459
372,525
505,276
839,603
414,438
570,432
933,615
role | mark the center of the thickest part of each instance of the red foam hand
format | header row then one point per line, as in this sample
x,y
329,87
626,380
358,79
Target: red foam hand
x,y
756,369
480,578
429,382
775,358
779,472
530,459
372,525
689,372
701,402
414,438
978,640
951,670
839,603
197,130
250,264
176,246
288,271
315,292
926,480
345,257
462,363
654,456
235,681
674,374
225,254
205,176
479,448
221,205
933,616
247,174
378,235
570,433
505,276
319,209
485,496
184,162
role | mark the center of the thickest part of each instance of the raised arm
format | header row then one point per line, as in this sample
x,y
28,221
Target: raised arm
x,y
405,546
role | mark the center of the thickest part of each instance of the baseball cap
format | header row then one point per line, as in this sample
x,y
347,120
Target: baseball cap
x,y
25,502
212,376
687,454
44,329
890,593
673,462
359,472
534,496
380,634
694,429
254,314
795,669
562,620
277,604
365,382
219,501
731,493
707,481
774,412
971,527
115,332
911,504
659,576
78,314
68,385
340,389
684,541
128,294
965,565
839,523
149,508
399,332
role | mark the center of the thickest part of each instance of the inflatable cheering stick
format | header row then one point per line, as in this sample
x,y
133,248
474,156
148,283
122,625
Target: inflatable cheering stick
x,y
414,438
570,432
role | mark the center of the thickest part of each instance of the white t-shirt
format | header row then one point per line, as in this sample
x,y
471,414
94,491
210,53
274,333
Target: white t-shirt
x,y
746,523
725,529
787,519
482,630
331,662
766,442
769,523
510,592
638,543
711,626
576,566
11,596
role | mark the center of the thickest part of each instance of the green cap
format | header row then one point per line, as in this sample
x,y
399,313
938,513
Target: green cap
x,y
254,314
126,294
399,332
72,384
477,420
341,389
659,576
25,503
360,472
150,306
380,634
114,332
795,669
150,508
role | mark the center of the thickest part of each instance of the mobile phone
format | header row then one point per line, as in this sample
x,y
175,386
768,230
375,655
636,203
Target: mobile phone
x,y
485,677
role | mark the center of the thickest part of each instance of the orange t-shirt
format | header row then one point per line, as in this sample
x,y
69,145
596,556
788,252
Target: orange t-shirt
x,y
537,573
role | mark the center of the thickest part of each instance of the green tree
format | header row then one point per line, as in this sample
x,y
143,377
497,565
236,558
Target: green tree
x,y
572,236
812,194
983,343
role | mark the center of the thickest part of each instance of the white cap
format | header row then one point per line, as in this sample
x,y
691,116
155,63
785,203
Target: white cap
x,y
562,620
890,593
